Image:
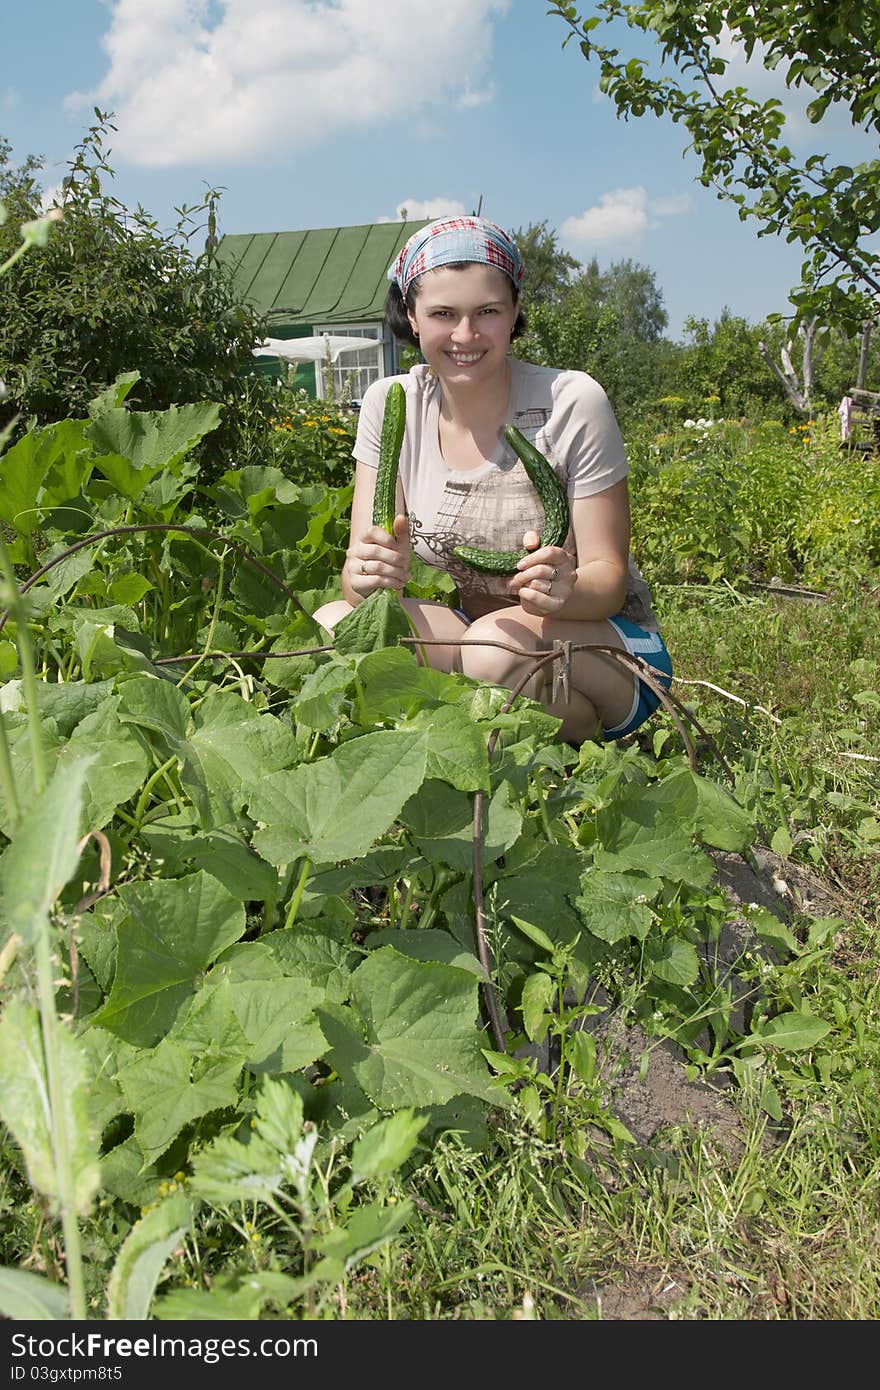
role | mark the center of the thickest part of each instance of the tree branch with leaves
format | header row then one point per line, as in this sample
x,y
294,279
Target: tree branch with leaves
x,y
832,52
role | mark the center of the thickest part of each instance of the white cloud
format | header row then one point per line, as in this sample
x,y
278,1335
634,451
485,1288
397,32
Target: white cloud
x,y
469,98
672,205
621,218
413,209
193,80
8,99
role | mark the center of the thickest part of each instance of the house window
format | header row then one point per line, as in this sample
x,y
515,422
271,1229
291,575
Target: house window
x,y
352,371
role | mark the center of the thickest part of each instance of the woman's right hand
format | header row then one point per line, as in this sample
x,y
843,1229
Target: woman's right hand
x,y
379,561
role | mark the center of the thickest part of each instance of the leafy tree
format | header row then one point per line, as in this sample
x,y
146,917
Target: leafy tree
x,y
722,372
831,50
110,293
630,291
584,334
548,269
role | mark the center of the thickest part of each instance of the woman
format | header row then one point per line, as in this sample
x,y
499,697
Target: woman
x,y
455,296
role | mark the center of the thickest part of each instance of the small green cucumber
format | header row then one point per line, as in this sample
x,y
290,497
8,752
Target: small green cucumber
x,y
552,497
391,439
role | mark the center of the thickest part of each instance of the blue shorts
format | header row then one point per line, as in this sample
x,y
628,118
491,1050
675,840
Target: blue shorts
x,y
638,642
652,649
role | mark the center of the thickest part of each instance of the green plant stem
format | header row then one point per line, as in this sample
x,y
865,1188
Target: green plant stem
x,y
58,1128
143,799
295,901
407,903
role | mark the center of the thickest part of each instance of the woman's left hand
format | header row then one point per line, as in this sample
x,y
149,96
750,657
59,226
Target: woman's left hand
x,y
545,578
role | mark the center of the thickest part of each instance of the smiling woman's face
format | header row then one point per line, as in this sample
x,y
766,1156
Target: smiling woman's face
x,y
464,319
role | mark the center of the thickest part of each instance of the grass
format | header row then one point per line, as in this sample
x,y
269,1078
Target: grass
x,y
782,1224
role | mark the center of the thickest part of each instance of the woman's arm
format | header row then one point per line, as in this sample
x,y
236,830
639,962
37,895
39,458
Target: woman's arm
x,y
386,558
591,585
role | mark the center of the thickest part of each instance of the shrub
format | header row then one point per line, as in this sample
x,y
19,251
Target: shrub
x,y
110,294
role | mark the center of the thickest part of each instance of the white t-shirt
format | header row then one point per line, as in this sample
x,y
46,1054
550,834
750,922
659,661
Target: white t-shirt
x,y
565,414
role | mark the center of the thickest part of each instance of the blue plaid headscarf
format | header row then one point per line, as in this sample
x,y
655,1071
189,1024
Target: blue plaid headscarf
x,y
450,239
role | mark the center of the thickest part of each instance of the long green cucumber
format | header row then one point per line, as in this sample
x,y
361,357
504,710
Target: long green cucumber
x,y
552,497
390,441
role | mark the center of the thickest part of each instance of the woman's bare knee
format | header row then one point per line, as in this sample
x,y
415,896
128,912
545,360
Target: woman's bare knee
x,y
498,649
329,614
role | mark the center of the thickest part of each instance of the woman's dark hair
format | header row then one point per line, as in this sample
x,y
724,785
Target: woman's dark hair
x,y
396,308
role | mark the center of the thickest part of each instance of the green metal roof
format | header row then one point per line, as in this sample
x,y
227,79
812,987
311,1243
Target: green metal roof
x,y
323,275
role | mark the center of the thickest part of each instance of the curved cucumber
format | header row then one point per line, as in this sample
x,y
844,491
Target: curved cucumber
x,y
391,439
552,497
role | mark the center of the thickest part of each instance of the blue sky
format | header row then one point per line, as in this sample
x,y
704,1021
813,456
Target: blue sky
x,y
315,113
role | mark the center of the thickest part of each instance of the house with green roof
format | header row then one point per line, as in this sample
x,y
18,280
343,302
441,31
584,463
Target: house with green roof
x,y
323,280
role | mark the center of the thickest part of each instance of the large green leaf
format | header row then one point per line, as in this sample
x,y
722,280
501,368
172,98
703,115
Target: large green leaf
x,y
376,622
337,807
319,703
224,854
119,763
26,1110
395,686
541,888
672,959
55,456
226,747
231,748
410,1038
64,702
441,823
457,750
720,820
277,1020
617,906
427,944
316,952
167,1088
28,1297
149,441
173,930
650,830
794,1031
43,854
156,704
